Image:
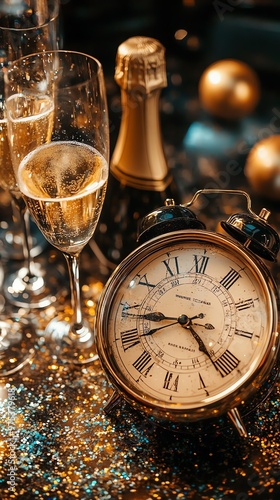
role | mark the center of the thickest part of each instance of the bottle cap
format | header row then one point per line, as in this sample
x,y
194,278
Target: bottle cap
x,y
140,63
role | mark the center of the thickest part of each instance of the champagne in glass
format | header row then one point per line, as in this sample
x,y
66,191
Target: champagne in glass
x,y
64,181
64,184
30,124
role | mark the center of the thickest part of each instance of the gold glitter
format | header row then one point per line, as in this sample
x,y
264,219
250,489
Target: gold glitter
x,y
53,367
67,447
19,420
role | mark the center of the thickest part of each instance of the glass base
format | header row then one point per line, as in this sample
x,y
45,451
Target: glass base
x,y
17,344
36,292
11,242
68,347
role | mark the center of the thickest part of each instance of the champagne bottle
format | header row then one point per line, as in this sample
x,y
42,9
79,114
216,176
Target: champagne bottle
x,y
140,179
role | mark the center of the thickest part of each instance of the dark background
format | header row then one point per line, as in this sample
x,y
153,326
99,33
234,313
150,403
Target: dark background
x,y
247,30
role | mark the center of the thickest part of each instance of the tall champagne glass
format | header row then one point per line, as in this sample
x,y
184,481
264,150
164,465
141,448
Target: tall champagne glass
x,y
26,26
64,182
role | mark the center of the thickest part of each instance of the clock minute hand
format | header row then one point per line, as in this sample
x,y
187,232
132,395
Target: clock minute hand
x,y
157,316
154,330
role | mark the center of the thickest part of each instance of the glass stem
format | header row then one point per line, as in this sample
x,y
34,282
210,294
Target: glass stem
x,y
15,212
73,262
25,227
26,246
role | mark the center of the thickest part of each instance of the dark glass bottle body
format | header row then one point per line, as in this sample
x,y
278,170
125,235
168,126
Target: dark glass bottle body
x,y
117,232
140,179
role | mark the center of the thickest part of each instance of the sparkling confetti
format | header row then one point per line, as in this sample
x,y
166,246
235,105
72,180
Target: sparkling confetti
x,y
62,444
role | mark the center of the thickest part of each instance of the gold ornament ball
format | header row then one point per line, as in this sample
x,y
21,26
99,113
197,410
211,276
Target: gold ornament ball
x,y
262,167
229,89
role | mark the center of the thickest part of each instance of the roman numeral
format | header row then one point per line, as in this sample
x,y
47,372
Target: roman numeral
x,y
172,265
226,363
143,364
200,263
144,281
230,278
244,304
171,382
242,333
129,339
202,384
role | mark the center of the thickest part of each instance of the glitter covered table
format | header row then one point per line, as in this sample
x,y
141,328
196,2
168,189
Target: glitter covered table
x,y
67,447
57,442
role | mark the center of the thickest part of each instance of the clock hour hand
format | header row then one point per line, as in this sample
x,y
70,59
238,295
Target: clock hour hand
x,y
152,316
154,330
157,316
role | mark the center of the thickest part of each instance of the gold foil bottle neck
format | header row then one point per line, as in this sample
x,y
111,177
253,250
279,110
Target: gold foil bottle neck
x,y
140,63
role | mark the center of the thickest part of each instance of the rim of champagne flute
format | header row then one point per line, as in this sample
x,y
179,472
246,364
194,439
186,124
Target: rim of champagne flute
x,y
54,13
55,51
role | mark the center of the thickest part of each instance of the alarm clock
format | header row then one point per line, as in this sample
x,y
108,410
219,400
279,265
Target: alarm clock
x,y
187,324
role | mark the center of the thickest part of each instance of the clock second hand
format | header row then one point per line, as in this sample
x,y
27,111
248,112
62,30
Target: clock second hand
x,y
186,323
158,316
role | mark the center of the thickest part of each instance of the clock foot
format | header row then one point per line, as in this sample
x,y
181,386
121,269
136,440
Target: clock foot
x,y
113,402
236,419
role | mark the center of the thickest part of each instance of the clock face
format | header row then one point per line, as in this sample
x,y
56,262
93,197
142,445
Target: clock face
x,y
186,323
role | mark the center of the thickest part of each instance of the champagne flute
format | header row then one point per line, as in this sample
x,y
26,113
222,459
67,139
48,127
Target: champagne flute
x,y
64,182
26,26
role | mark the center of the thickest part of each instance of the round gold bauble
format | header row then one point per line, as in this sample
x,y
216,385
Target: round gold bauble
x,y
229,89
262,167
